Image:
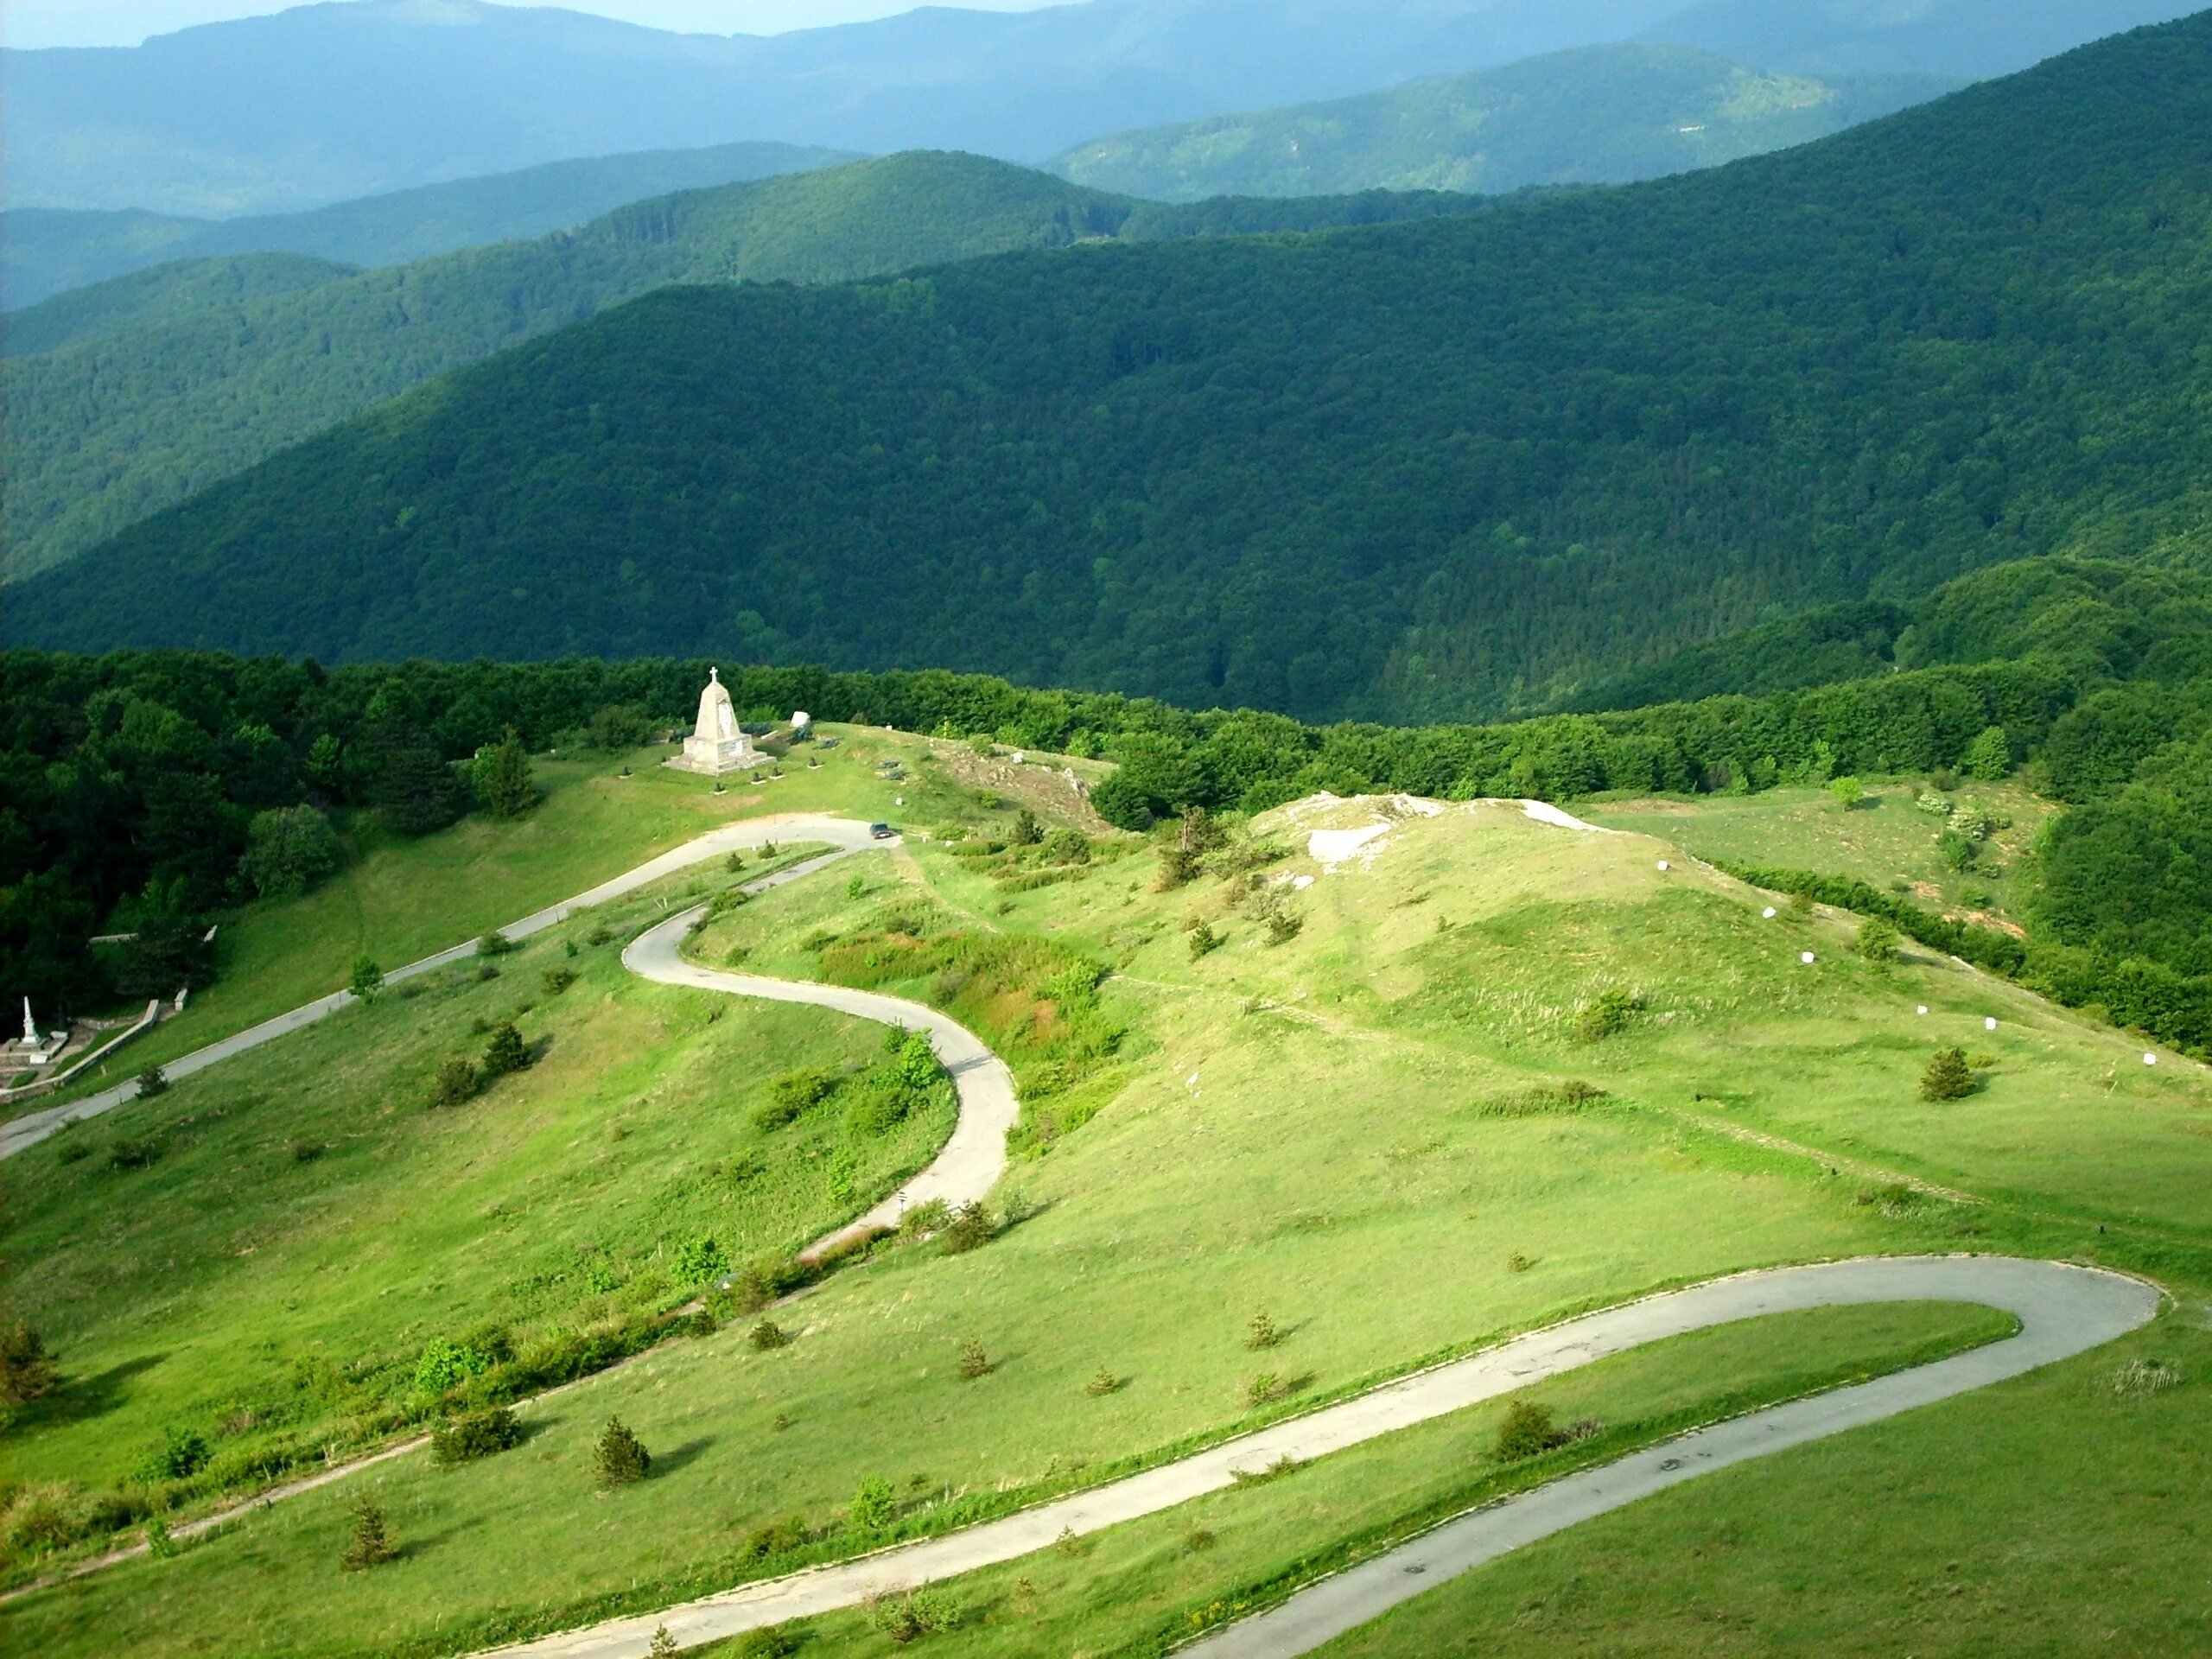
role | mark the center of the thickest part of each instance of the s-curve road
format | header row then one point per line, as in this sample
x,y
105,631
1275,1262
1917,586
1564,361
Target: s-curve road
x,y
846,836
2062,1310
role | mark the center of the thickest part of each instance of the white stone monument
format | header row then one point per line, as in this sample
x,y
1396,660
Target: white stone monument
x,y
716,745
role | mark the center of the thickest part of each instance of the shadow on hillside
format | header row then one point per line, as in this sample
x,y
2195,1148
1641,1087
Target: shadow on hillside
x,y
668,1462
79,1397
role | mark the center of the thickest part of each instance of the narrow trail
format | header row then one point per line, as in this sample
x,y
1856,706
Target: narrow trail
x,y
2063,1311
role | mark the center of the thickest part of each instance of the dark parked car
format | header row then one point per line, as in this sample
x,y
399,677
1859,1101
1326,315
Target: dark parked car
x,y
881,831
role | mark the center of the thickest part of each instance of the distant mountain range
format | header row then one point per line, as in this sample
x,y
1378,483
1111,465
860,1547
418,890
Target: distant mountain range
x,y
1591,114
1475,464
329,102
132,393
44,251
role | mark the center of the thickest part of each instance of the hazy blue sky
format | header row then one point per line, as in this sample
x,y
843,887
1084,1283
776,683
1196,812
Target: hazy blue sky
x,y
125,23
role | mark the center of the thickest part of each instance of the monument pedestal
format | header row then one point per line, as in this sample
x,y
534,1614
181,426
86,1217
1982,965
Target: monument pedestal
x,y
716,746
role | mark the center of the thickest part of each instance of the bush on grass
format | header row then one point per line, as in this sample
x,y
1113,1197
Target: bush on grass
x,y
1527,1430
474,1435
619,1458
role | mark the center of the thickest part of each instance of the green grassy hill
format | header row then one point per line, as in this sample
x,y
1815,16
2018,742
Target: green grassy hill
x,y
1594,115
48,250
212,376
1357,1129
1433,470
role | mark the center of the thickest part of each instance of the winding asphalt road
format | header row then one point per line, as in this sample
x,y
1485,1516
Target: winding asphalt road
x,y
2063,1311
971,1161
847,836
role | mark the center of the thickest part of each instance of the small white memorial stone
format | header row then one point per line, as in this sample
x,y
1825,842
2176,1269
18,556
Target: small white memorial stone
x,y
2150,1059
1807,958
1663,864
1923,1008
1989,1024
1768,912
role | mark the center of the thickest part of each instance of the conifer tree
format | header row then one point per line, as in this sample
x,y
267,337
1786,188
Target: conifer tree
x,y
1947,1078
371,1543
620,1458
503,777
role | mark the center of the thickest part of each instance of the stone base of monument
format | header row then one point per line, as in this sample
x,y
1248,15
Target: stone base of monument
x,y
715,757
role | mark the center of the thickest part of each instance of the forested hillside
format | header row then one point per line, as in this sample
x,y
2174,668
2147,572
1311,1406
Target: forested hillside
x,y
1594,115
133,417
48,250
1457,467
162,294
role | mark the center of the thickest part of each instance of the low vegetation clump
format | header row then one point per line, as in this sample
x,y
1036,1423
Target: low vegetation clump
x,y
2140,1379
455,1083
1543,1100
474,1435
1527,1430
371,1545
924,1612
874,1507
1204,941
766,1337
1878,941
1948,1077
1261,1331
1104,1384
27,1370
971,1228
619,1458
975,1361
151,1081
1607,1014
505,1053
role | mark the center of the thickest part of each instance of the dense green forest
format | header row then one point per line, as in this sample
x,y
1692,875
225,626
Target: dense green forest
x,y
176,391
163,293
1591,115
48,250
1459,468
153,789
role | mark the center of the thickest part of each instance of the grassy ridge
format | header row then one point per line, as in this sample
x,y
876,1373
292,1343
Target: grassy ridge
x,y
1591,115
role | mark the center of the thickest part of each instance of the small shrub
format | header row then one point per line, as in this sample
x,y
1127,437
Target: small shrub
x,y
1527,1430
505,1053
372,1544
159,1544
974,1361
455,1082
924,1218
1948,1076
777,1538
699,1259
495,944
1846,791
600,934
134,1154
1203,940
1028,831
445,1364
1103,1384
1516,1263
971,1229
484,975
305,1152
1933,804
619,1458
474,1435
925,1612
557,980
1176,868
1607,1014
151,1081
1961,853
1283,924
26,1369
792,1095
180,1454
2141,1378
1878,941
365,979
1261,1331
777,1642
664,1645
1198,1541
767,1336
1072,1543
873,1508
1264,1390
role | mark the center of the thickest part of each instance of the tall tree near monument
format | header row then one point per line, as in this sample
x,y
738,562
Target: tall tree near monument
x,y
503,777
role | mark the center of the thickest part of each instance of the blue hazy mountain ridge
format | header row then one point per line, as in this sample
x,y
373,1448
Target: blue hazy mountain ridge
x,y
1448,469
1593,114
326,102
1962,39
48,250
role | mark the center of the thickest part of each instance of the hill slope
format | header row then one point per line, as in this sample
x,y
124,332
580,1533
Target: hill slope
x,y
1599,114
48,250
1456,467
134,418
1970,39
163,294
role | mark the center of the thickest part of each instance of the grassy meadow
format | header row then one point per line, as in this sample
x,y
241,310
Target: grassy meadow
x,y
1355,1112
